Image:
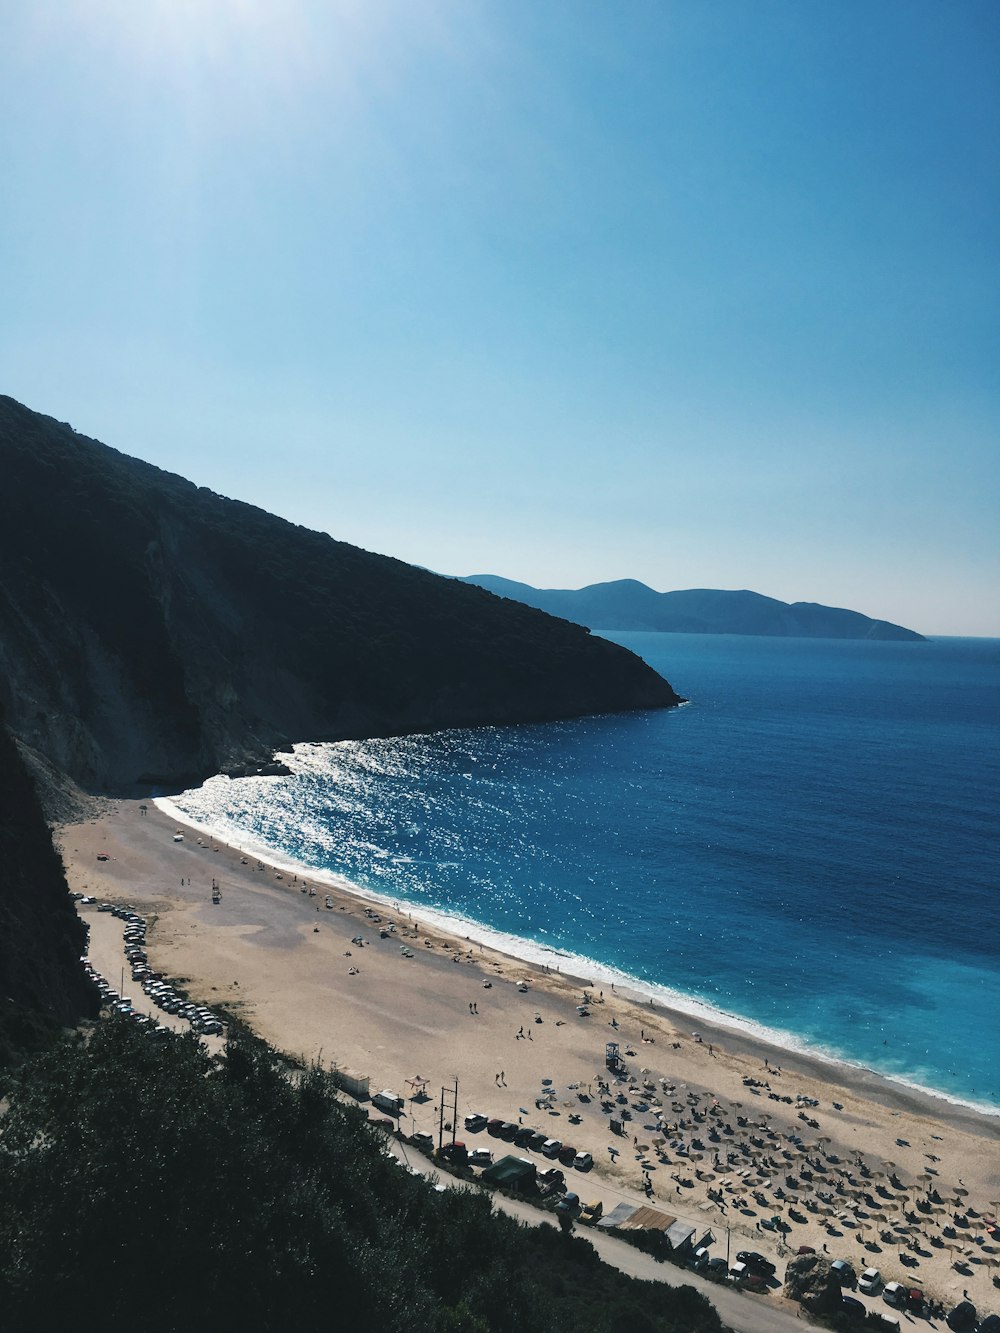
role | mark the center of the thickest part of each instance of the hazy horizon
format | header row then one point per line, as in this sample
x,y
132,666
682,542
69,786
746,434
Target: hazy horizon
x,y
699,296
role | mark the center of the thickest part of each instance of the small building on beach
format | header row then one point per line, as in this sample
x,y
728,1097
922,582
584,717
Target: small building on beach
x,y
511,1173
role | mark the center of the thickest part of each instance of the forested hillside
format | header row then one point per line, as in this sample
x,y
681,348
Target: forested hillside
x,y
155,632
144,1185
42,984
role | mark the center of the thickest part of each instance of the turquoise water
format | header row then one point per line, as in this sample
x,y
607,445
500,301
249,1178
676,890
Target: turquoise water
x,y
809,845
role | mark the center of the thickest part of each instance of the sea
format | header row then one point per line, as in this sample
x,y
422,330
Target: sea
x,y
807,849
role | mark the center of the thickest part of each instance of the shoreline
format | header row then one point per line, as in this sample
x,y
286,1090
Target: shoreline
x,y
764,1040
358,985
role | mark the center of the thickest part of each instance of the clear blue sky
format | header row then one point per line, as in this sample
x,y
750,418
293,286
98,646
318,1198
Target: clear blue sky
x,y
704,294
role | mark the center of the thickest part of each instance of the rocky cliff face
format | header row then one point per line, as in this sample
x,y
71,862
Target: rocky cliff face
x,y
152,632
42,982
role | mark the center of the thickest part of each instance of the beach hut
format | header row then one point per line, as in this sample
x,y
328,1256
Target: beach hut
x,y
512,1173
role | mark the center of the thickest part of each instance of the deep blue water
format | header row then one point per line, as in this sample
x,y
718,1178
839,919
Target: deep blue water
x,y
809,844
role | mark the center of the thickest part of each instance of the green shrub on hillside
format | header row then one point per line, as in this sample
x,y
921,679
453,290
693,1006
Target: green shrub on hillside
x,y
146,1185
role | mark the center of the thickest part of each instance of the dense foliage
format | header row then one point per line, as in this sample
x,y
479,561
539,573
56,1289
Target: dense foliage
x,y
152,628
145,1185
42,983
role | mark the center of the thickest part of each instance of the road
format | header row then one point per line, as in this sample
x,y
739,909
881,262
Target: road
x,y
744,1314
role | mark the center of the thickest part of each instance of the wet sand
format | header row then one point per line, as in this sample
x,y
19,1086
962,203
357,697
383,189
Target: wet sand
x,y
285,963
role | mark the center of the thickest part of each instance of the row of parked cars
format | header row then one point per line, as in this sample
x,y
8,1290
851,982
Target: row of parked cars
x,y
523,1136
163,995
870,1282
751,1270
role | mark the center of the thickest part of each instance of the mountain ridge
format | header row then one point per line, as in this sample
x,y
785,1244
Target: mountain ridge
x,y
153,632
628,604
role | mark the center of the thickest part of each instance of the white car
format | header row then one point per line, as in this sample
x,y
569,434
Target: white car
x,y
869,1281
583,1161
480,1157
894,1294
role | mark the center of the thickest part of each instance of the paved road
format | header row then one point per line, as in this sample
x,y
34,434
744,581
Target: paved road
x,y
744,1314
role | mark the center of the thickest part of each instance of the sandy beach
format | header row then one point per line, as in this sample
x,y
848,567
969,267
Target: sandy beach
x,y
727,1131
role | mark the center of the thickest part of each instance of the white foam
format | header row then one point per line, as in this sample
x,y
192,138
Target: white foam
x,y
579,966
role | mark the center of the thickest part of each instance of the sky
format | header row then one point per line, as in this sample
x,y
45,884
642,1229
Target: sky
x,y
702,294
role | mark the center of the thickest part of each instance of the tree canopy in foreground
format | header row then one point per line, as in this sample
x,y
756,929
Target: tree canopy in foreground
x,y
143,1182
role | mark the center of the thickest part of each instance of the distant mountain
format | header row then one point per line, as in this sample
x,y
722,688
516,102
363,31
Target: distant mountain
x,y
154,632
629,605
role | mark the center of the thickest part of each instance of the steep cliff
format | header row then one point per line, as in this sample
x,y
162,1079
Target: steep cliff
x,y
42,983
626,604
155,632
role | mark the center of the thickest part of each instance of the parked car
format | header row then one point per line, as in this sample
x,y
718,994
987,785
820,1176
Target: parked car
x,y
894,1293
583,1161
962,1317
551,1148
508,1131
475,1123
852,1306
455,1152
569,1203
523,1136
567,1154
755,1261
480,1157
494,1127
537,1142
843,1271
424,1141
870,1281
